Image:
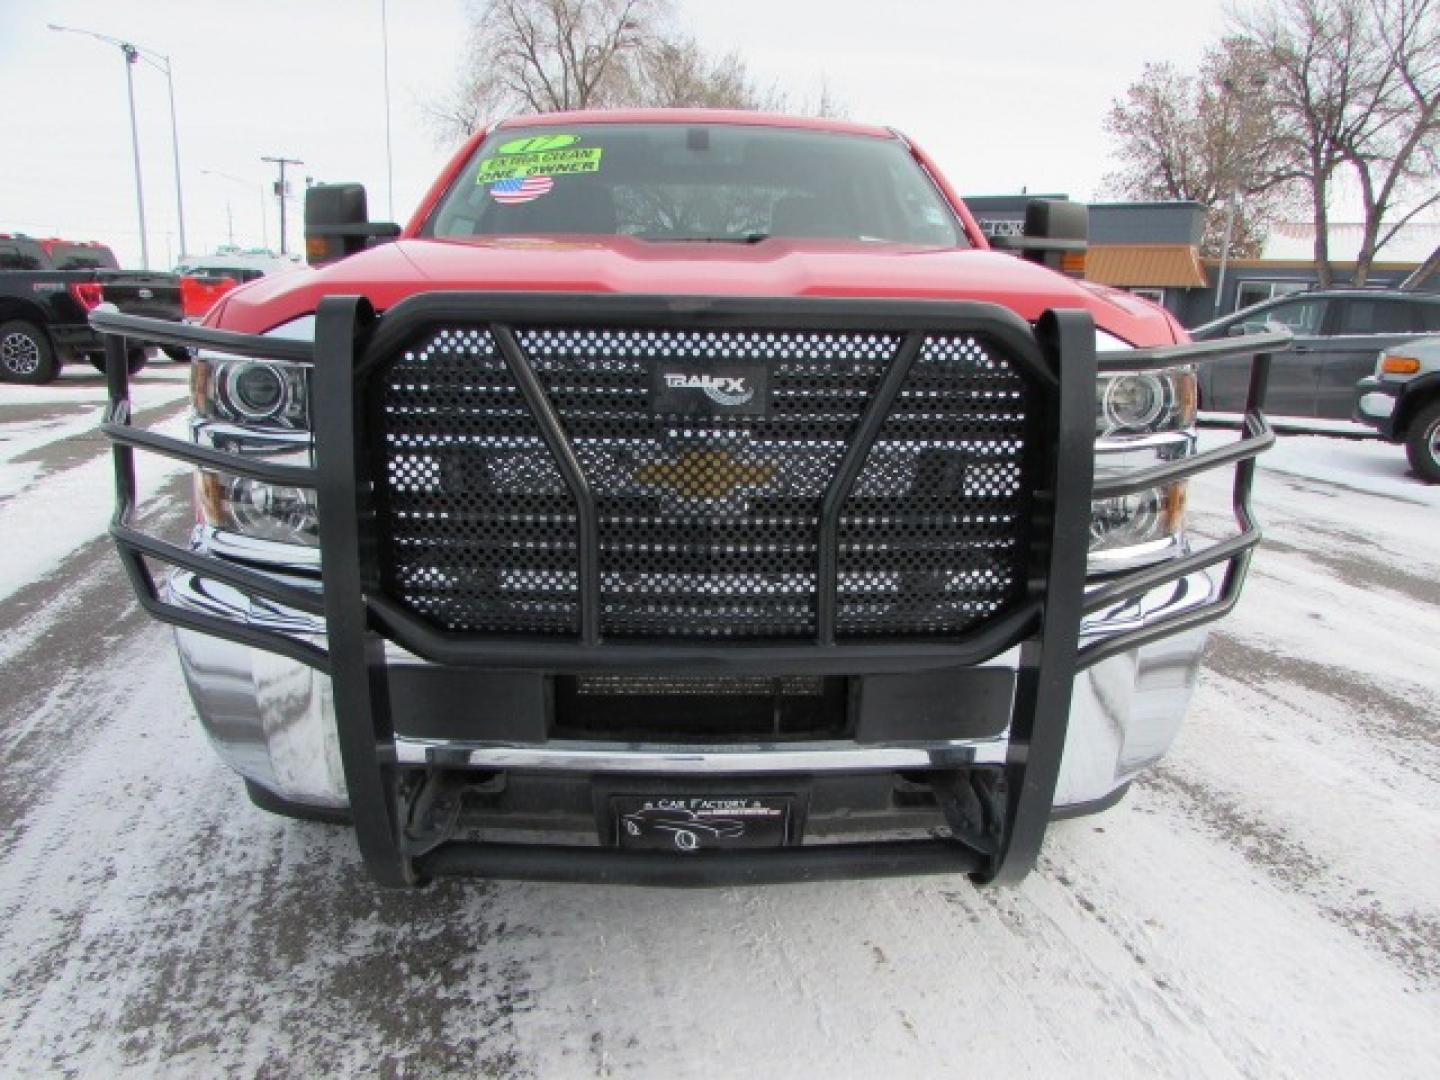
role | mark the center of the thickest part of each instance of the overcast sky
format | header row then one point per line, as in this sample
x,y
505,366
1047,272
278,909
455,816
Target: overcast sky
x,y
1004,95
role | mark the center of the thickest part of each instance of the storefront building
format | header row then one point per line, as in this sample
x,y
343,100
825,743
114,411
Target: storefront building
x,y
1153,250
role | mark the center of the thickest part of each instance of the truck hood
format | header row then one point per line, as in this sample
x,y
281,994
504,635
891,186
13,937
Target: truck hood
x,y
620,264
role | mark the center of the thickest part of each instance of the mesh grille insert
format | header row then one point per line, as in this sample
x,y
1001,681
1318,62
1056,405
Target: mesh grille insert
x,y
708,523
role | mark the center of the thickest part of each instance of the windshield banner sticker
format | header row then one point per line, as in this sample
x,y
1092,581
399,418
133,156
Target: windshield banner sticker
x,y
515,190
536,143
580,159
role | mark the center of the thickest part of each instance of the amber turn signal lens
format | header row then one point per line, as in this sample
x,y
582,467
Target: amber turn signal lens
x,y
1399,365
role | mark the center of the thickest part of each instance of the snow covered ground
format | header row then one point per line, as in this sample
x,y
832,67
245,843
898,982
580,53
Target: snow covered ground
x,y
1266,904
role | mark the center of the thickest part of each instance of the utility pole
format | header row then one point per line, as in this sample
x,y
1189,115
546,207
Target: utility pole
x,y
280,190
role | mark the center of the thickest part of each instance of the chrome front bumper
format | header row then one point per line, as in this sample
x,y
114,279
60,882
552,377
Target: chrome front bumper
x,y
272,719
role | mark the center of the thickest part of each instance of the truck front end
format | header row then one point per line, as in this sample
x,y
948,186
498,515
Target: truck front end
x,y
679,587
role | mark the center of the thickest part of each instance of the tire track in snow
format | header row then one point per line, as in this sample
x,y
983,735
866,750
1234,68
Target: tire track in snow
x,y
66,636
1409,939
1386,716
182,932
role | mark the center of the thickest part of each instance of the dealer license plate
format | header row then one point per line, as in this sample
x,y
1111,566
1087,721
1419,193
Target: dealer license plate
x,y
690,823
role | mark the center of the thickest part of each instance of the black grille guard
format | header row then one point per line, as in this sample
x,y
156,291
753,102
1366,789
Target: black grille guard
x,y
351,340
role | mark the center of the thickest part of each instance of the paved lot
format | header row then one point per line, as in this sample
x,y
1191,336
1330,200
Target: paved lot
x,y
1265,904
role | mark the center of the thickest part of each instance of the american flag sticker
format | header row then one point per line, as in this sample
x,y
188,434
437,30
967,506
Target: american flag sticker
x,y
515,190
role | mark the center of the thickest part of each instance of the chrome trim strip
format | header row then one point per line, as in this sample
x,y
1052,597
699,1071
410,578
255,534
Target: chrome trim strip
x,y
572,756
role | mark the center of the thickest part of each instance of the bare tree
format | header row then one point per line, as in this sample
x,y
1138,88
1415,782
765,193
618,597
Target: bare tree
x,y
1355,85
548,56
1210,137
678,73
1401,150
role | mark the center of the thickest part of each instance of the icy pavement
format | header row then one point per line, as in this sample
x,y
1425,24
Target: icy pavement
x,y
1266,904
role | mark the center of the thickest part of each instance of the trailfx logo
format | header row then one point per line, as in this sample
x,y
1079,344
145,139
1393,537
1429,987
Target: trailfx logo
x,y
721,389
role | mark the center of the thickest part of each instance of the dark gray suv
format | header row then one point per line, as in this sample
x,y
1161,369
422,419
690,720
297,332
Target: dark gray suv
x,y
1338,334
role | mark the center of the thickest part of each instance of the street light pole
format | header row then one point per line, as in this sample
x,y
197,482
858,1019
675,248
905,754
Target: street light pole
x,y
130,57
133,54
389,159
1258,82
280,190
175,148
1225,248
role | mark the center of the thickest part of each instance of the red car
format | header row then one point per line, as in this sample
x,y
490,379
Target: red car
x,y
705,455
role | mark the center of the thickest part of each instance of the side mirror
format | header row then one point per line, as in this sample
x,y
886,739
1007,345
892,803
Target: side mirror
x,y
337,223
1057,232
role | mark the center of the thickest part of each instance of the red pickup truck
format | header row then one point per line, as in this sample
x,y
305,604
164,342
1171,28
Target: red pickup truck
x,y
688,497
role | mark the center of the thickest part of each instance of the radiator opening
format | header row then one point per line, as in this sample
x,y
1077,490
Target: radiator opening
x,y
708,709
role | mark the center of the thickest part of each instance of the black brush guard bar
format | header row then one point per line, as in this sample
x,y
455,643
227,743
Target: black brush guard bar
x,y
351,342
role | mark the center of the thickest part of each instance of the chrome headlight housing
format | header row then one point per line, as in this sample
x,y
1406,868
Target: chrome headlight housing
x,y
250,508
253,408
1145,402
1142,419
257,393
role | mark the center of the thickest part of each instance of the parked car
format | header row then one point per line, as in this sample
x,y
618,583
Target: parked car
x,y
49,286
1401,400
206,278
1337,335
686,455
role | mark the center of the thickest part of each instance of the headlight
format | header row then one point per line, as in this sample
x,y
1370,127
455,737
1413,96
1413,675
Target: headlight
x,y
1150,520
1141,403
259,393
258,410
1142,419
262,511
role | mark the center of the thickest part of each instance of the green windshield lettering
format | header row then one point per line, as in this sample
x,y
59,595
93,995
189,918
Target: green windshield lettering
x,y
541,163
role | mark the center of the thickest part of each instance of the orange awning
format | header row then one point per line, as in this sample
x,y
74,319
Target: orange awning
x,y
1163,266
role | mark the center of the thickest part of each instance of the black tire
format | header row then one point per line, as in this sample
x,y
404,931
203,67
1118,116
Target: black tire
x,y
135,356
271,803
178,353
1422,443
26,355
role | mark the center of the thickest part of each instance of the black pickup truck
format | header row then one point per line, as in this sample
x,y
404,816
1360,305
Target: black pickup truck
x,y
47,290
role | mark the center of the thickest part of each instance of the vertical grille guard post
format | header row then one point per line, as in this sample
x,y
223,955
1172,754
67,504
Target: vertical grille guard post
x,y
1041,713
357,654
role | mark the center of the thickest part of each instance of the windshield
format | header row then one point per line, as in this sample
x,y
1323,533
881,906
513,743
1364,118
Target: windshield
x,y
695,182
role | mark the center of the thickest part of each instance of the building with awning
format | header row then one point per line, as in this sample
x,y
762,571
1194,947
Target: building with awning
x,y
1148,267
1152,249
1149,248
